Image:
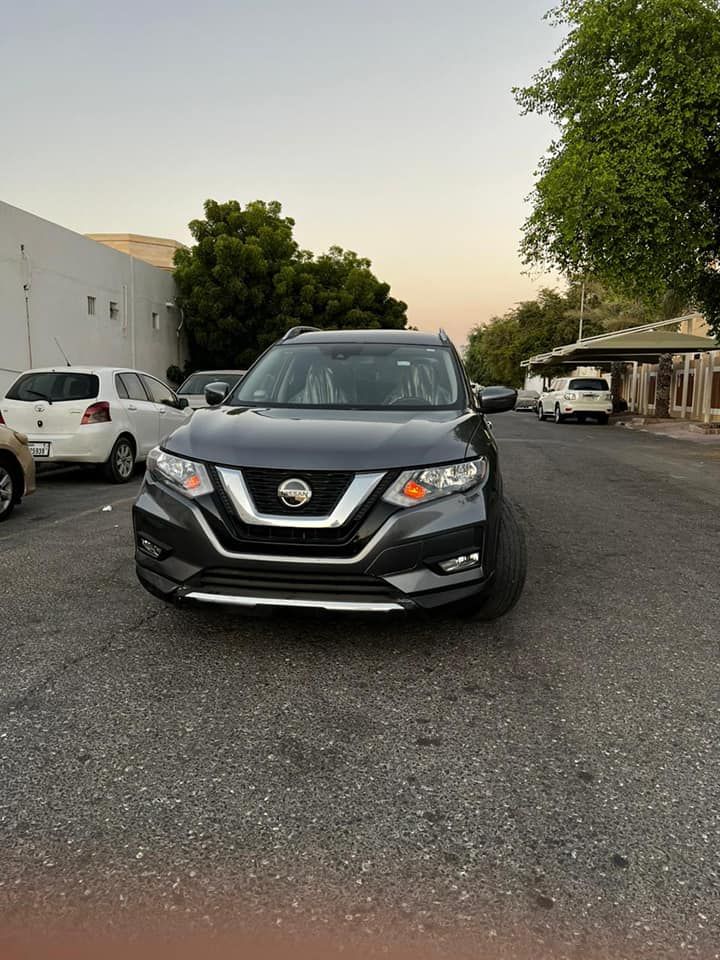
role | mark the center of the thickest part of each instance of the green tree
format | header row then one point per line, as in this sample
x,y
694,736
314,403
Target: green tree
x,y
495,350
630,189
245,282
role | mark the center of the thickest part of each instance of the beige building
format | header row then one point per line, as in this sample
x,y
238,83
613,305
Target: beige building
x,y
695,325
157,251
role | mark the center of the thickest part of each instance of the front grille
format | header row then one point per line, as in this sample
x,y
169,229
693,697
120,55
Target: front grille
x,y
291,586
318,541
327,488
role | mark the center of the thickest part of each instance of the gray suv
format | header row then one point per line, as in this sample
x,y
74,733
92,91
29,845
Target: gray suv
x,y
348,470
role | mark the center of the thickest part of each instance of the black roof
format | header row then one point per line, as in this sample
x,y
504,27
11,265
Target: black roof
x,y
376,336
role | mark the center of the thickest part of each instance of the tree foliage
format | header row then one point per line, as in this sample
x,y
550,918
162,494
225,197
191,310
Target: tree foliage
x,y
495,350
245,281
630,189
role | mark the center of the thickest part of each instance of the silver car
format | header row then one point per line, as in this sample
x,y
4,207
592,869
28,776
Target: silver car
x,y
193,389
527,400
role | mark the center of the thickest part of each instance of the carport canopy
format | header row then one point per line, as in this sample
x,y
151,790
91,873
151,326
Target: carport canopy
x,y
641,344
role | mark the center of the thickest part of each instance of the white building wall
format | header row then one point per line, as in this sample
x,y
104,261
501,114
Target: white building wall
x,y
61,270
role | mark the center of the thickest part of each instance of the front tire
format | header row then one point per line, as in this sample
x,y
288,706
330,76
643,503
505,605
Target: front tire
x,y
510,571
120,465
540,413
8,492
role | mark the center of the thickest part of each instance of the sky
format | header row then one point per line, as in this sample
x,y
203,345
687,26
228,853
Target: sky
x,y
388,128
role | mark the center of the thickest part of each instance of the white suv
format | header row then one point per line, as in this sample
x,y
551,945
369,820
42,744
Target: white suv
x,y
108,416
578,397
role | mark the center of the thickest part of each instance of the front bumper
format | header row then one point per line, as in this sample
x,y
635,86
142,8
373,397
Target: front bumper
x,y
28,468
394,565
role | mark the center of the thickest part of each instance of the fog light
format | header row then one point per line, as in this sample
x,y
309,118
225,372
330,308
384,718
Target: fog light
x,y
152,549
463,562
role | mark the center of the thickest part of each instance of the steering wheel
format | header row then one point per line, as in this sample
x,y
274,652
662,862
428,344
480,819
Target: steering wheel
x,y
409,397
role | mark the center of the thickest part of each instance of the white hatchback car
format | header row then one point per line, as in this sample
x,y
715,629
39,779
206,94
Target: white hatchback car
x,y
105,416
578,397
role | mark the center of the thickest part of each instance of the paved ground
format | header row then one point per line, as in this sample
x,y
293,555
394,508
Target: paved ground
x,y
553,779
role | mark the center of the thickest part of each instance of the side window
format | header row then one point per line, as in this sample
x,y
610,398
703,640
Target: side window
x,y
120,387
158,391
133,387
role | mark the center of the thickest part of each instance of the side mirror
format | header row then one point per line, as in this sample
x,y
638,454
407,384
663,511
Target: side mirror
x,y
182,403
216,392
497,399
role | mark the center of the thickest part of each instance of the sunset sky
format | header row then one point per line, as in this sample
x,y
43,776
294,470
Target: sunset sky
x,y
387,128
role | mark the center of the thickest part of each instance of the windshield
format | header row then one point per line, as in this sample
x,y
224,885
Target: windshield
x,y
197,382
588,383
55,386
354,375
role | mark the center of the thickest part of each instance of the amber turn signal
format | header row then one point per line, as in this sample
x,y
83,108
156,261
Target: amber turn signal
x,y
414,490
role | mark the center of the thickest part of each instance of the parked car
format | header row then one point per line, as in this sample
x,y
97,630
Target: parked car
x,y
579,397
193,389
348,470
17,470
527,400
104,416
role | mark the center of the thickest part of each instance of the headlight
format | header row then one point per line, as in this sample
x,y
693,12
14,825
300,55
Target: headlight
x,y
185,476
430,483
570,396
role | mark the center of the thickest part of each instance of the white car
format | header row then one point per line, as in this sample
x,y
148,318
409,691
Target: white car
x,y
193,389
106,416
578,397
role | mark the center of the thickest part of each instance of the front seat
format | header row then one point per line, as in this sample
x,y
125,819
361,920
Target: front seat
x,y
320,388
419,381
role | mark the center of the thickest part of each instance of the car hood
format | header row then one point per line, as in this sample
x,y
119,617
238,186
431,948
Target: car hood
x,y
324,439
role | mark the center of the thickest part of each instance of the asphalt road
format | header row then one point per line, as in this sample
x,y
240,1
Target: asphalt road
x,y
552,780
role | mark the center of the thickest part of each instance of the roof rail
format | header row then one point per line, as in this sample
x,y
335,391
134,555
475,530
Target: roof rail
x,y
443,336
296,331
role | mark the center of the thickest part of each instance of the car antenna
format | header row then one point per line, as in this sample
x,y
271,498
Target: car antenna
x,y
62,351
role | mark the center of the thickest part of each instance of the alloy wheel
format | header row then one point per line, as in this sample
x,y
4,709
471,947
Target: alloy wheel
x,y
124,459
6,490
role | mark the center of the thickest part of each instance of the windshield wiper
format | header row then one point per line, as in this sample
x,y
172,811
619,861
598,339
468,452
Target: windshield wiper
x,y
43,396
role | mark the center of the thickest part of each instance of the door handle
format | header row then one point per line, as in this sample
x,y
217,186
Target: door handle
x,y
131,407
163,412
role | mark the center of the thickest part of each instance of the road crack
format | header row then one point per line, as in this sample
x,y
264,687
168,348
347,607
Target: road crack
x,y
47,682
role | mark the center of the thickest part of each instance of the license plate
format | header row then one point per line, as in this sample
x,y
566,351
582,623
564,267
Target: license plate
x,y
590,396
39,449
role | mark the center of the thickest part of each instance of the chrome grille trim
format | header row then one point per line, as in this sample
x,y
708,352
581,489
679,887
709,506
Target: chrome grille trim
x,y
235,487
